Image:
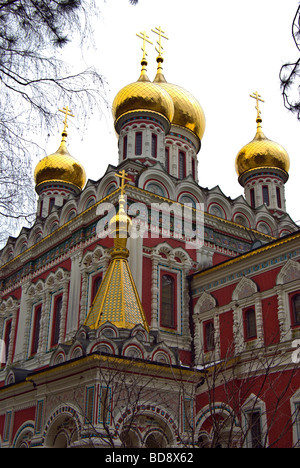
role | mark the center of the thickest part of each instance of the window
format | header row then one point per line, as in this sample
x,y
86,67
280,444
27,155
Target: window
x,y
167,159
41,208
154,145
250,324
181,165
252,198
56,320
125,147
138,143
89,405
7,338
51,204
105,405
254,427
36,329
296,309
266,198
95,286
193,169
167,315
278,196
209,336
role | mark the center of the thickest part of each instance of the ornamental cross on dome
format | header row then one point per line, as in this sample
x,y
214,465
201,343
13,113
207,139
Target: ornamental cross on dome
x,y
145,38
160,33
258,98
122,175
67,112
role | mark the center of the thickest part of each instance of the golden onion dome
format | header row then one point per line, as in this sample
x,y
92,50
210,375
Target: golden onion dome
x,y
188,113
142,95
60,167
262,153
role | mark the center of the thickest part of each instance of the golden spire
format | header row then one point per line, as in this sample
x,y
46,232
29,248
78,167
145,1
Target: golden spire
x,y
144,62
117,300
160,50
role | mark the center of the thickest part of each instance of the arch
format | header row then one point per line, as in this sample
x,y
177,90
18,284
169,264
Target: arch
x,y
289,272
205,303
219,422
103,345
63,427
88,194
245,288
147,418
24,435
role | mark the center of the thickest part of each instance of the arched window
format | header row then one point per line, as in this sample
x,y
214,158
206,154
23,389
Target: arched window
x,y
250,324
36,329
56,320
296,309
167,314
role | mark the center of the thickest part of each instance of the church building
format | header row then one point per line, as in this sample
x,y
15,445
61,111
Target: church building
x,y
143,310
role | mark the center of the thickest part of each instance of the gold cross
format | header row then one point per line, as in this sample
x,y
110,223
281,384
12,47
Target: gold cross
x,y
66,111
122,175
258,98
145,38
160,34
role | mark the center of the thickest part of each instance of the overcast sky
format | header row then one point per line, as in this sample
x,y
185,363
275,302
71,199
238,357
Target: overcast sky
x,y
219,51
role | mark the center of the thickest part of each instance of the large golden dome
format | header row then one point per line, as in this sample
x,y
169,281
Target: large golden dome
x,y
262,153
60,167
188,113
142,95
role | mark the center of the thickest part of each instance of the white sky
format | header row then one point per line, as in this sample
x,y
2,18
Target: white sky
x,y
220,51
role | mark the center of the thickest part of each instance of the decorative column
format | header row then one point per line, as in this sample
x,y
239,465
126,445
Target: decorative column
x,y
154,292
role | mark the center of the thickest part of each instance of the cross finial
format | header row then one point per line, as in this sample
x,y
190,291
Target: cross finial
x,y
160,33
67,112
122,175
145,38
258,98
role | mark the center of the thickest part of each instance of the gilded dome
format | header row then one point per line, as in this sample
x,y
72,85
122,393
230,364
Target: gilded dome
x,y
262,153
142,95
188,113
60,167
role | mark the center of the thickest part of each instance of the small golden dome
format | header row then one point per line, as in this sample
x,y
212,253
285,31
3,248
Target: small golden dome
x,y
262,153
188,113
60,167
142,95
